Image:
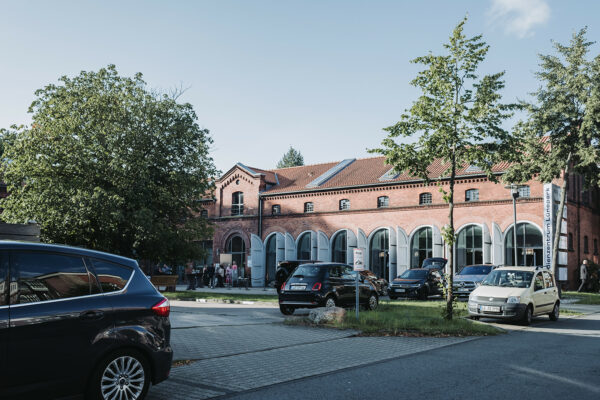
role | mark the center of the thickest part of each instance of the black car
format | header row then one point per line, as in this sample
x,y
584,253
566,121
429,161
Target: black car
x,y
285,269
75,321
418,282
325,285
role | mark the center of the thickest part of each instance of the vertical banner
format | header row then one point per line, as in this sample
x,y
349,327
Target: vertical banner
x,y
548,228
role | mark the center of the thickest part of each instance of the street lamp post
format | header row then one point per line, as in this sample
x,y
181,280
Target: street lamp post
x,y
514,191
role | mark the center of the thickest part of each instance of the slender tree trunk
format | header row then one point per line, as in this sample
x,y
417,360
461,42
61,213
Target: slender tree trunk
x,y
449,237
559,217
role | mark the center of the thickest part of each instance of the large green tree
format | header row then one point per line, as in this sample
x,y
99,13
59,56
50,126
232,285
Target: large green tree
x,y
458,119
111,165
292,158
562,131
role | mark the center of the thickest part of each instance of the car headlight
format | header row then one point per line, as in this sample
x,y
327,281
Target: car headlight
x,y
513,299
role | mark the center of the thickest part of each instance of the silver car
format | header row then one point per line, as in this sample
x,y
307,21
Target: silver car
x,y
469,278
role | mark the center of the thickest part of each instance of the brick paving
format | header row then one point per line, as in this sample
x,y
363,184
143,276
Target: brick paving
x,y
235,359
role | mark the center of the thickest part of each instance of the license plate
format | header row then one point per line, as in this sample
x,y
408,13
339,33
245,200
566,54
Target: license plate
x,y
400,290
299,287
490,308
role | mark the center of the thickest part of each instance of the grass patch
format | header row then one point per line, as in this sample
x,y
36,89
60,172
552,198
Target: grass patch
x,y
190,294
411,318
569,312
582,298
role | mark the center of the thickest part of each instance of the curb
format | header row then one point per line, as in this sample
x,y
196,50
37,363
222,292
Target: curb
x,y
222,301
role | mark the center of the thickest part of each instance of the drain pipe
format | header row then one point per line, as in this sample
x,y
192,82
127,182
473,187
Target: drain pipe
x,y
260,211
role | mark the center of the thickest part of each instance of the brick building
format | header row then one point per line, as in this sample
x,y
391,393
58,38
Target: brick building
x,y
324,211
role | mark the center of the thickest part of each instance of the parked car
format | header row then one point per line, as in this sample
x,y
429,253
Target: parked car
x,y
285,269
417,282
516,293
76,321
469,278
380,284
325,285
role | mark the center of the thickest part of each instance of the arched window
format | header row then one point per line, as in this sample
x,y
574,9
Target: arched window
x,y
379,252
237,203
524,191
204,213
304,247
309,207
344,204
586,248
529,245
472,195
421,246
237,248
425,198
383,201
338,248
276,209
571,248
469,247
271,259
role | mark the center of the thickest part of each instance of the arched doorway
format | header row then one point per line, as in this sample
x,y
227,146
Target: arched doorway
x,y
271,259
421,246
379,253
237,248
530,247
304,247
469,246
339,247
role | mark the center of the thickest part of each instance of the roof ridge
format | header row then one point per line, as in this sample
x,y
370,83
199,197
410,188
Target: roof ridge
x,y
305,165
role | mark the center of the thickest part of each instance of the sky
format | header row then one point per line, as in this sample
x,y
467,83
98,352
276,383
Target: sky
x,y
323,76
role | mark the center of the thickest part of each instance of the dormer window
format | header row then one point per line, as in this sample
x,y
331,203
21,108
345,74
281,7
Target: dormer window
x,y
237,203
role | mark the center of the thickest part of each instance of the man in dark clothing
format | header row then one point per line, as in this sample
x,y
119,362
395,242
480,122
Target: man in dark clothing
x,y
211,276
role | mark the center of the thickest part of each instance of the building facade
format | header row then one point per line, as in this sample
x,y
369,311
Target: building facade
x,y
324,211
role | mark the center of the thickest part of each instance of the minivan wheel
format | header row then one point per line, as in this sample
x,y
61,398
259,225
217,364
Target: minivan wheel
x,y
527,316
330,302
286,310
373,302
123,375
555,312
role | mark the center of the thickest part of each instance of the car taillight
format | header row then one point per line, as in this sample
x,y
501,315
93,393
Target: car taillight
x,y
317,286
162,308
283,286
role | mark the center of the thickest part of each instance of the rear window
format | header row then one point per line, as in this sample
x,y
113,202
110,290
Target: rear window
x,y
307,271
112,277
46,276
476,270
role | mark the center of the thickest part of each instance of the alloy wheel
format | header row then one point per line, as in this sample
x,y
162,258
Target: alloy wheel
x,y
123,379
372,302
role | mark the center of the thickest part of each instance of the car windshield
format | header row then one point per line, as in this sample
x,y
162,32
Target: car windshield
x,y
476,270
307,271
414,274
429,263
508,278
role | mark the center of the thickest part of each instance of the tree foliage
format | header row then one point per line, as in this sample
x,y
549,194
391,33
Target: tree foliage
x,y
562,131
458,119
110,165
292,158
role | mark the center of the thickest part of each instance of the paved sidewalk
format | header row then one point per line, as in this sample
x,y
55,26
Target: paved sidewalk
x,y
236,290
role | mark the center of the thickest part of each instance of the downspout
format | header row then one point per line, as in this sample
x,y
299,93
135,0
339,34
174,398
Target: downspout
x,y
260,210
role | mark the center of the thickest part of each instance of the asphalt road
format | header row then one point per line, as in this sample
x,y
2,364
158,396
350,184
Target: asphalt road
x,y
550,360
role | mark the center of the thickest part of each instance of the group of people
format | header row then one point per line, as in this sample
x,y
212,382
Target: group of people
x,y
216,276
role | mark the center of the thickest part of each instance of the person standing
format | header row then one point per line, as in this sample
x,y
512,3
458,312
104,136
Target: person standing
x,y
211,276
583,273
189,273
247,273
234,273
220,276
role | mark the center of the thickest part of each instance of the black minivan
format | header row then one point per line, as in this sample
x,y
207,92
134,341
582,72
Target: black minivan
x,y
325,285
76,321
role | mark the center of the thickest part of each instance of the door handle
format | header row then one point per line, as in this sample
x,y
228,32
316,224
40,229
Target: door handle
x,y
91,315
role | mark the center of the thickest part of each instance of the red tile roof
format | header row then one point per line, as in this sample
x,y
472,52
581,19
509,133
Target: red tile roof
x,y
365,171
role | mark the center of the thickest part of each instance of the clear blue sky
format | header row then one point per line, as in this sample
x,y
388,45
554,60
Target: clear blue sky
x,y
322,76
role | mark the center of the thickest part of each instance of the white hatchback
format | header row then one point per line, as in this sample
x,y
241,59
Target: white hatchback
x,y
516,293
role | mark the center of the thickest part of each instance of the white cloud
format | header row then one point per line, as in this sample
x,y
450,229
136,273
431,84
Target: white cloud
x,y
519,16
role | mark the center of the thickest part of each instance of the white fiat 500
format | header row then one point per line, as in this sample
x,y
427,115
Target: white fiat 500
x,y
516,293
